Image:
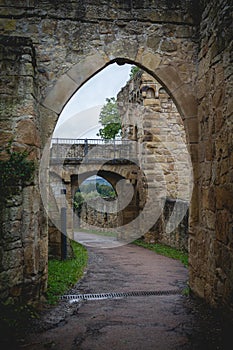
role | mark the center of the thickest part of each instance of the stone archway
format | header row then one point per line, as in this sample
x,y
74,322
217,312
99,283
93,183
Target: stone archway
x,y
73,174
51,49
168,75
57,93
117,214
182,93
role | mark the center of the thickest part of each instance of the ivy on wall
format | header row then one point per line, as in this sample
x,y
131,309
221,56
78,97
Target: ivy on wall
x,y
15,173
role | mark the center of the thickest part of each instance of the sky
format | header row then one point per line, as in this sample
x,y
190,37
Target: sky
x,y
79,118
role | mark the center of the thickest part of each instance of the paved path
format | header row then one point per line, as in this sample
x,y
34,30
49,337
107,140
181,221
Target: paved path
x,y
97,240
132,323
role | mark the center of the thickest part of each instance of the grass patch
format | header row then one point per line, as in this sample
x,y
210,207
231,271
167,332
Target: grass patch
x,y
15,320
186,291
96,232
62,275
164,250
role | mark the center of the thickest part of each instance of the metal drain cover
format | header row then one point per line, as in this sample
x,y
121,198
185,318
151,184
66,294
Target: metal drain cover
x,y
101,296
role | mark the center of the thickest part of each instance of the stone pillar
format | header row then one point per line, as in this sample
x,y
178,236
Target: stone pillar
x,y
69,199
23,265
211,241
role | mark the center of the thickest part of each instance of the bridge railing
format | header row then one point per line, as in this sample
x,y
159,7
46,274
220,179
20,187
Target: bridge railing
x,y
91,149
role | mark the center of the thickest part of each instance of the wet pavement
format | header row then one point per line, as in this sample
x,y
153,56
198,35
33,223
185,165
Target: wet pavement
x,y
175,321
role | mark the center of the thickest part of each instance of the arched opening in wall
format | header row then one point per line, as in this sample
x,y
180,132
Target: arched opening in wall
x,y
145,125
150,93
85,203
80,117
104,204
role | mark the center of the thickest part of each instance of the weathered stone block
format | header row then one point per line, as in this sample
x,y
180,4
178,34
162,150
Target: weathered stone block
x,y
12,258
168,45
224,197
27,133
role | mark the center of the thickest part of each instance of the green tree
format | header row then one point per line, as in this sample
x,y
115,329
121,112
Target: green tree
x,y
110,120
105,191
78,202
134,71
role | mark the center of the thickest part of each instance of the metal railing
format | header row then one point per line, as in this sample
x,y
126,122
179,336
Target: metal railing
x,y
91,149
59,140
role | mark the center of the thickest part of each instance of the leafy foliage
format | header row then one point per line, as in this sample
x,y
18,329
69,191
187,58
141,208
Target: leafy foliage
x,y
110,131
110,119
15,173
105,191
78,202
63,274
134,71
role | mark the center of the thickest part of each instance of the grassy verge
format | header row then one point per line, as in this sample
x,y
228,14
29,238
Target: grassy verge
x,y
15,319
64,274
164,250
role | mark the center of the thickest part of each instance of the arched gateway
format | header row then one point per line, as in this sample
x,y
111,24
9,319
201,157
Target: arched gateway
x,y
51,49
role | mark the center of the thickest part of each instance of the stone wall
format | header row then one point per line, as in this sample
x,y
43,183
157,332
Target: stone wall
x,y
178,237
93,219
211,231
23,237
150,118
90,217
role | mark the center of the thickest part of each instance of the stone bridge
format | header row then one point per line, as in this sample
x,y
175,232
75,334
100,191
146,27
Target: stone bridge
x,y
49,49
80,150
74,160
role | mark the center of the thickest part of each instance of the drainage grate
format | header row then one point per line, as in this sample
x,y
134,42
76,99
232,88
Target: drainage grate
x,y
100,296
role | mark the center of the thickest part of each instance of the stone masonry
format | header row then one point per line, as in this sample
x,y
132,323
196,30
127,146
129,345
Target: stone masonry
x,y
211,226
150,118
91,217
159,127
22,223
70,165
50,48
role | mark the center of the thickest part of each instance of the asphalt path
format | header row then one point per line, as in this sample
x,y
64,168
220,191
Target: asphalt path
x,y
128,323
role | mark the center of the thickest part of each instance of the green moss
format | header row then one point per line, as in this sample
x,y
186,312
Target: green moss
x,y
9,24
63,274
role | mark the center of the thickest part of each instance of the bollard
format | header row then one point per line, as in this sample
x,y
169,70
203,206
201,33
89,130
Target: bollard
x,y
63,234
